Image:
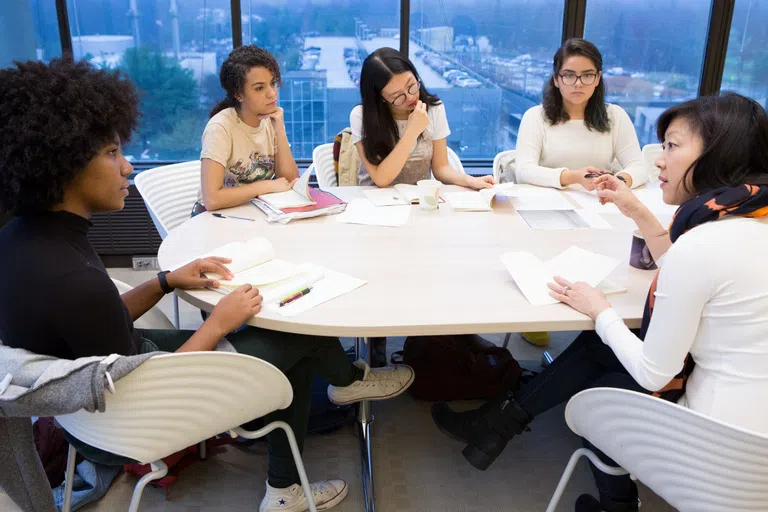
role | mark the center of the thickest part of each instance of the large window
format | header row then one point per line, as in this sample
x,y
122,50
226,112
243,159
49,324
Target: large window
x,y
172,50
31,31
320,45
746,64
488,61
653,53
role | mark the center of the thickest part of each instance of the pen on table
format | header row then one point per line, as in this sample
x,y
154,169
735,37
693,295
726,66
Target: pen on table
x,y
222,216
295,296
595,175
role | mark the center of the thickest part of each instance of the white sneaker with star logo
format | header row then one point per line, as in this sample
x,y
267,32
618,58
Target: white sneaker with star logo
x,y
327,494
376,384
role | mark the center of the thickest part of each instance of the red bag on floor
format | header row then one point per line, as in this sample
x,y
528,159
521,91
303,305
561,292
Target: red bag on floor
x,y
176,463
458,367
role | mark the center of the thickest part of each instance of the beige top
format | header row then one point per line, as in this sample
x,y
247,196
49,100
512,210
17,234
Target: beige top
x,y
247,153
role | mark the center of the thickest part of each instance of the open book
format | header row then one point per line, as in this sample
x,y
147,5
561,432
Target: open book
x,y
391,196
476,200
254,263
296,197
575,264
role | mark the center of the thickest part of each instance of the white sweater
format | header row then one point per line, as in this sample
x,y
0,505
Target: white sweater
x,y
544,150
711,301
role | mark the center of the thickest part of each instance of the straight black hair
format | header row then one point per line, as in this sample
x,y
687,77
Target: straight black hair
x,y
596,114
379,128
734,134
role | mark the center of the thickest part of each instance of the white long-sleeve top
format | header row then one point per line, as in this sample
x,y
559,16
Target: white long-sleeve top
x,y
544,150
711,301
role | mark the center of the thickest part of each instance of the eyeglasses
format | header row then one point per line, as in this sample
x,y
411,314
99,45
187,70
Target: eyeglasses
x,y
571,79
400,98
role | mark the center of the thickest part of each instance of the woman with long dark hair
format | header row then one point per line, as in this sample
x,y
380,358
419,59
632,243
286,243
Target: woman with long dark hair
x,y
574,134
400,129
703,337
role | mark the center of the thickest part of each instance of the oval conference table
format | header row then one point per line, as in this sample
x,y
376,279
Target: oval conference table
x,y
440,273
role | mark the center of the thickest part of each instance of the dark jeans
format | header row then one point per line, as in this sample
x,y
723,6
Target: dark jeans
x,y
299,357
586,363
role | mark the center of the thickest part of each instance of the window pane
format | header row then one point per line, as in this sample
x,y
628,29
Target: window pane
x,y
33,34
488,61
320,45
652,59
746,63
172,50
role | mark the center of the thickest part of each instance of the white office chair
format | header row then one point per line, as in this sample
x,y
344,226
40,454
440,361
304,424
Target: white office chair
x,y
650,153
695,463
173,401
322,165
152,319
498,169
170,192
455,161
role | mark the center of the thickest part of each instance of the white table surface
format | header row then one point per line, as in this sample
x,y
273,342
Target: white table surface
x,y
440,274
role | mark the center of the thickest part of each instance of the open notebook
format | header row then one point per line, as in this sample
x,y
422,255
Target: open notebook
x,y
397,195
254,263
575,264
476,200
297,197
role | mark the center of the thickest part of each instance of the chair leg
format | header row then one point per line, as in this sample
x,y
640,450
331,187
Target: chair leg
x,y
69,479
176,321
581,452
546,359
294,450
159,470
506,339
201,450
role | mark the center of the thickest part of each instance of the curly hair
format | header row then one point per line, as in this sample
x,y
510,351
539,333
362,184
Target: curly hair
x,y
55,118
596,114
236,66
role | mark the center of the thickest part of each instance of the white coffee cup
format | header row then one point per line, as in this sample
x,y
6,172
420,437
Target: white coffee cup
x,y
429,194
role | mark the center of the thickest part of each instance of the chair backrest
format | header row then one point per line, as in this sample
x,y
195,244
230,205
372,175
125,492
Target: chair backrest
x,y
455,161
173,401
650,153
692,461
169,192
497,169
152,319
322,162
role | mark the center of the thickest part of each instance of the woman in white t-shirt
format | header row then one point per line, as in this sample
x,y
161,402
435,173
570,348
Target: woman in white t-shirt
x,y
245,148
574,135
400,129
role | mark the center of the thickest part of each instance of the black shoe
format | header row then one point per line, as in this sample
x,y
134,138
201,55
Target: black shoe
x,y
490,433
456,425
588,503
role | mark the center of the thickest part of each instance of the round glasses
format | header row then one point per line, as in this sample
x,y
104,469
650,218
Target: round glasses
x,y
400,98
571,79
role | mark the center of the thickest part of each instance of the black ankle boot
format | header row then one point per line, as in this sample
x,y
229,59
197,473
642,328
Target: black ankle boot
x,y
588,503
490,433
458,425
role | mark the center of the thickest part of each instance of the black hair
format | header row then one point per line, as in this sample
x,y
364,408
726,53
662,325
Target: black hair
x,y
55,119
734,134
596,113
379,128
236,66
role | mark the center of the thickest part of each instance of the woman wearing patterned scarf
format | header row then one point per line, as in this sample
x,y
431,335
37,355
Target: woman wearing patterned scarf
x,y
704,336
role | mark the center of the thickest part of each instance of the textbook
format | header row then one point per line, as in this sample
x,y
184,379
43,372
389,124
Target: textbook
x,y
476,200
297,197
253,262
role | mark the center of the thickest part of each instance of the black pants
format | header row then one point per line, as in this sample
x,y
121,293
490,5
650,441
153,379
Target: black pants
x,y
299,357
586,363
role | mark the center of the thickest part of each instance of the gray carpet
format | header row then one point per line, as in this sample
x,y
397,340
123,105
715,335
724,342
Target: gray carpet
x,y
417,469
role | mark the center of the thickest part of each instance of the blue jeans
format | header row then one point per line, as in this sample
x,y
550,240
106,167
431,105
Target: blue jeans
x,y
586,363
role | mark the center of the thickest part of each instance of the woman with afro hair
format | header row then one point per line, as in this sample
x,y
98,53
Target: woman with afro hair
x,y
61,162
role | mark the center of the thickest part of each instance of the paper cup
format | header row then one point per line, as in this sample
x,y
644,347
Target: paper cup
x,y
429,194
640,256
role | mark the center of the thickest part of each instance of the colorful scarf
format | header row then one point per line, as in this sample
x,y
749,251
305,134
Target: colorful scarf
x,y
741,200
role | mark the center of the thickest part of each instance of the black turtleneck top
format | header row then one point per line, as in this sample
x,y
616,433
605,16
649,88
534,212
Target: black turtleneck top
x,y
56,297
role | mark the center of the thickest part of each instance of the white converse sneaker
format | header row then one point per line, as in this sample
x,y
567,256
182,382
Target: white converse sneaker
x,y
326,494
377,384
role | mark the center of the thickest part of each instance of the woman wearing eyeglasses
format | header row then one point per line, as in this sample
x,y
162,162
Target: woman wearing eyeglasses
x,y
400,129
574,135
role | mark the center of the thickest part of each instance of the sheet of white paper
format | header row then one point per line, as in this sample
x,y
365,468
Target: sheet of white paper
x,y
468,201
593,219
590,202
385,197
575,264
333,284
362,211
537,198
552,219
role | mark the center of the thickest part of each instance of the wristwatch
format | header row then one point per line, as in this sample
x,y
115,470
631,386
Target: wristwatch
x,y
161,276
622,178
